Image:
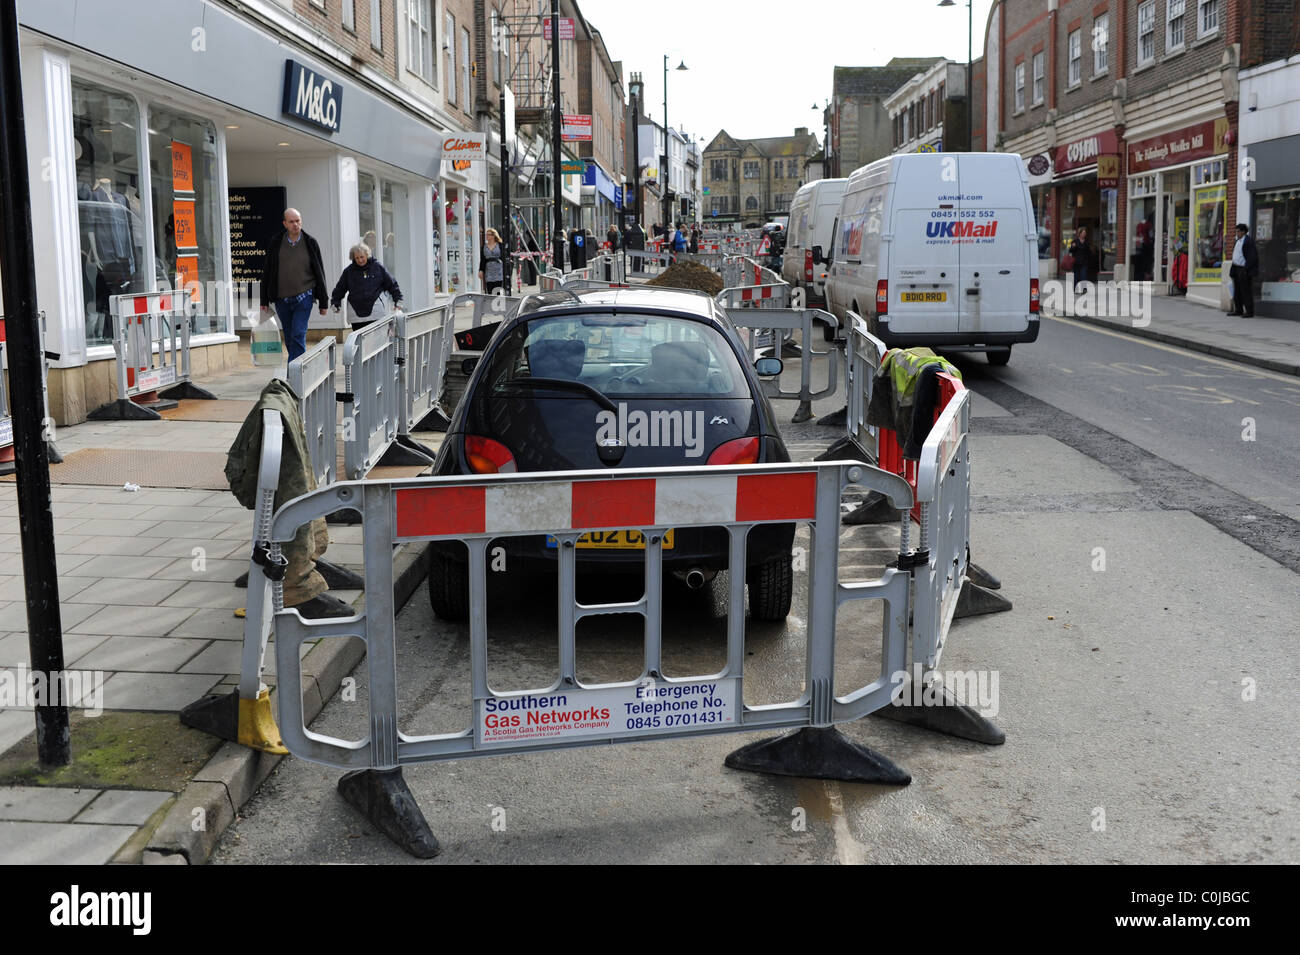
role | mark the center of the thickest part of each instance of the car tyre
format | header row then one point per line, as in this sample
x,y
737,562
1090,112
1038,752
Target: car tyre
x,y
998,356
448,588
771,586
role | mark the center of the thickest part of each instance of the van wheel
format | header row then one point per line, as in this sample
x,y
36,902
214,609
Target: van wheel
x,y
771,587
998,356
448,588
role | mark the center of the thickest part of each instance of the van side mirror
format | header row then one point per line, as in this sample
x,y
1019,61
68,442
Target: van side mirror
x,y
768,367
817,254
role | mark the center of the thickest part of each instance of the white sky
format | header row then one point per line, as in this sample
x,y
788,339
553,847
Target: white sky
x,y
755,67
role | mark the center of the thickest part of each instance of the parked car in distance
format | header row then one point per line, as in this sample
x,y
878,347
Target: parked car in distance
x,y
565,363
812,216
938,249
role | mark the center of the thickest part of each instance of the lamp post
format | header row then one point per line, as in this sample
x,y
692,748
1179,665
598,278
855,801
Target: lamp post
x,y
826,137
663,178
970,93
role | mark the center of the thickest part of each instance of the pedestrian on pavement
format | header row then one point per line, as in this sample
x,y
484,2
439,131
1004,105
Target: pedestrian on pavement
x,y
493,263
363,281
695,239
611,236
1244,268
679,239
1081,252
294,276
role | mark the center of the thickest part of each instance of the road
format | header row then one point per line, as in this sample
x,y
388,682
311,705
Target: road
x,y
1143,677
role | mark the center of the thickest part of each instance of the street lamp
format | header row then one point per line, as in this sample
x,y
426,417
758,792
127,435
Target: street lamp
x,y
826,136
663,179
970,93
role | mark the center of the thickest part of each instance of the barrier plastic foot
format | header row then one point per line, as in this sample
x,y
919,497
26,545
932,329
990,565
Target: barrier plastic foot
x,y
400,454
382,796
435,420
977,574
248,722
946,716
836,419
803,412
123,409
844,449
187,389
876,509
975,600
818,753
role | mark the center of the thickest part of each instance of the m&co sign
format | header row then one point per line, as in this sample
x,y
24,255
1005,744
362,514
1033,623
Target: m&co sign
x,y
464,147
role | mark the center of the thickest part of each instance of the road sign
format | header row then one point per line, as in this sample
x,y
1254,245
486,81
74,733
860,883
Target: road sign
x,y
576,127
566,29
571,167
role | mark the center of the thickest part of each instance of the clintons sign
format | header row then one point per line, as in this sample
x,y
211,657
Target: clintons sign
x,y
464,147
1084,152
1184,145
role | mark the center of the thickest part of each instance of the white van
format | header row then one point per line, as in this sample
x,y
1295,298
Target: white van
x,y
812,215
938,249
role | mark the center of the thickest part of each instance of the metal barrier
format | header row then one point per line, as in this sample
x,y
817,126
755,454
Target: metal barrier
x,y
791,320
311,376
775,295
646,262
425,339
550,281
151,337
863,353
497,307
479,510
372,400
579,285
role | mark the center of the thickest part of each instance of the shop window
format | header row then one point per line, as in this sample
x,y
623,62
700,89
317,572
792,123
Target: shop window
x,y
419,40
1020,87
1076,58
1175,30
1277,239
368,209
1208,18
1038,78
109,215
1210,210
1214,171
189,244
1146,48
395,224
1101,44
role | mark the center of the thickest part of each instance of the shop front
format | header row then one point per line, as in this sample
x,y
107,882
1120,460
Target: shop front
x,y
1178,233
599,209
1085,177
156,167
1038,169
1275,224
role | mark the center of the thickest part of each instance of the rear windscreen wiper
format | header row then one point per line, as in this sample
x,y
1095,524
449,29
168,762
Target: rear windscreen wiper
x,y
565,384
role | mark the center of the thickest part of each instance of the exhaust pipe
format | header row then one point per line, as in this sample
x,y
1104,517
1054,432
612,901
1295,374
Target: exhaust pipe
x,y
695,578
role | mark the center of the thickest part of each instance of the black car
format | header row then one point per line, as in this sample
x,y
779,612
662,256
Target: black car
x,y
563,384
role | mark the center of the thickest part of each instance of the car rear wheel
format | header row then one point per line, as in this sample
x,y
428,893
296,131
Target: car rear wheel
x,y
448,587
998,356
771,585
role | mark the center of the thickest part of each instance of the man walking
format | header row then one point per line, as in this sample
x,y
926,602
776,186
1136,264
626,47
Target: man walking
x,y
293,277
1245,266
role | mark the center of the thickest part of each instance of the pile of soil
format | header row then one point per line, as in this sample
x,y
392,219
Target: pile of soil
x,y
689,275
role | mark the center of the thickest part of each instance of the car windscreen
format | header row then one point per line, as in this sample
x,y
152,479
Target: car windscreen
x,y
616,355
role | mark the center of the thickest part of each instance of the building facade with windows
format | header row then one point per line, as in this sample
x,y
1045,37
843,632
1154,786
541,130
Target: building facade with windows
x,y
928,112
751,180
1125,113
857,122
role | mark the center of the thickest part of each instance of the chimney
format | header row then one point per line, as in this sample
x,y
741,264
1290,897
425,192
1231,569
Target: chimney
x,y
801,130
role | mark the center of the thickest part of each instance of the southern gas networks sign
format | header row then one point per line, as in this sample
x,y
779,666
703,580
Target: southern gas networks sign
x,y
311,97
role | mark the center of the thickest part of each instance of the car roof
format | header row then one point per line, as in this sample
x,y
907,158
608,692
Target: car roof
x,y
638,298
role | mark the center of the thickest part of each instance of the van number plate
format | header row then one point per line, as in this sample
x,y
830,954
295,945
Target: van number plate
x,y
924,296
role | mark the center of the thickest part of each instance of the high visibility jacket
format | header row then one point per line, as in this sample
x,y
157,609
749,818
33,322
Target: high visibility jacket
x,y
894,394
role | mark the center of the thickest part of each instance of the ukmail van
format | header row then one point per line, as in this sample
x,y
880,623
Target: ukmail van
x,y
812,214
938,249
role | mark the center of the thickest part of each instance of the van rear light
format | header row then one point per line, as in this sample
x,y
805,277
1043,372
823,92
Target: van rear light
x,y
1033,295
738,451
807,265
882,296
486,456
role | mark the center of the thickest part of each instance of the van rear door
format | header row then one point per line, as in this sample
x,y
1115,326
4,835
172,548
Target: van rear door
x,y
991,244
923,256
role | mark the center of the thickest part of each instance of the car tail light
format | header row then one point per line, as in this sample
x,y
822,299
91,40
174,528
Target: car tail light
x,y
1033,295
486,456
807,265
739,451
882,296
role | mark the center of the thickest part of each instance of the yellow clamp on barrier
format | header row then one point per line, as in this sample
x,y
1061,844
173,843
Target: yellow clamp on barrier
x,y
257,727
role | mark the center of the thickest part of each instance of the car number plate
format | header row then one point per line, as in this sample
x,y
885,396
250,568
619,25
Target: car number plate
x,y
924,296
615,540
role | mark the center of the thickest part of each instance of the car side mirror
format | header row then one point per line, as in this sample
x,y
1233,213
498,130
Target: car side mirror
x,y
817,255
768,367
468,365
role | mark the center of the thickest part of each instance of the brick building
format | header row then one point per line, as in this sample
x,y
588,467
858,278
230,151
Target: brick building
x,y
1125,112
858,124
752,180
928,111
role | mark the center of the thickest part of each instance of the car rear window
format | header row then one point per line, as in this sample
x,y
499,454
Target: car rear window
x,y
622,355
